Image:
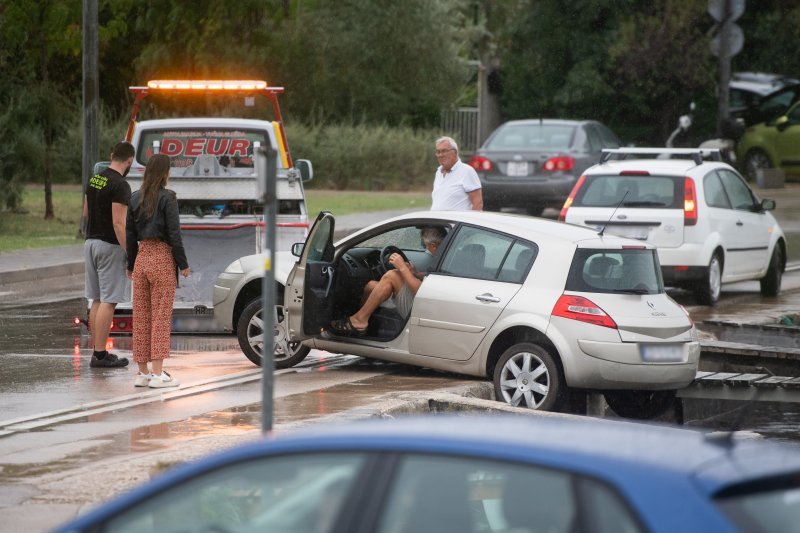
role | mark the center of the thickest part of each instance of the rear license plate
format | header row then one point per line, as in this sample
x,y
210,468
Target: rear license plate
x,y
632,232
517,168
661,353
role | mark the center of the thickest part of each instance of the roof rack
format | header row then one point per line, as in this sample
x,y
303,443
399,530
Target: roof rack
x,y
697,154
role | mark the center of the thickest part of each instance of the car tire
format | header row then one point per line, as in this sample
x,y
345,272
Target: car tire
x,y
639,404
527,375
249,331
708,289
755,160
771,282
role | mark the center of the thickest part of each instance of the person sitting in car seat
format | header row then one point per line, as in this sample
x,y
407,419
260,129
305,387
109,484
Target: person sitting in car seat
x,y
400,284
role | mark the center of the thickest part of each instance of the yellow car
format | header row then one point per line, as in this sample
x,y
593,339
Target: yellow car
x,y
772,144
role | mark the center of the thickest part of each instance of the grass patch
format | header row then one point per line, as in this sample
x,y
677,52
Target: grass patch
x,y
30,230
349,202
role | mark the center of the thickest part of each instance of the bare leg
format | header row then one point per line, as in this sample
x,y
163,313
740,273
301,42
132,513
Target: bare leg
x,y
158,365
143,368
390,283
100,317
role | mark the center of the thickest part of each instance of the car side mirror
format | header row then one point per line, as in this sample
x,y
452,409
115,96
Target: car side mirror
x,y
767,204
305,168
297,249
782,123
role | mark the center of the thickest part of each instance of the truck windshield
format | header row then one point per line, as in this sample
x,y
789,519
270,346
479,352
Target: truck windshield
x,y
203,151
627,271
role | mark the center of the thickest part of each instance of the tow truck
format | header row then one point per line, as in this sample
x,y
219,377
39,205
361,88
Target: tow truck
x,y
214,177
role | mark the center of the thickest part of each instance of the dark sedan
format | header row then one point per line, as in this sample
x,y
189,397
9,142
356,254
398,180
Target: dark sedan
x,y
533,164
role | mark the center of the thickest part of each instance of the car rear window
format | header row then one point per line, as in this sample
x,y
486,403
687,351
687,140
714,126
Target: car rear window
x,y
532,137
627,271
764,505
660,192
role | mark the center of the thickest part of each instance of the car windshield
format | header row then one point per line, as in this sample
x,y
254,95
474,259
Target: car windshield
x,y
775,105
638,191
532,136
633,271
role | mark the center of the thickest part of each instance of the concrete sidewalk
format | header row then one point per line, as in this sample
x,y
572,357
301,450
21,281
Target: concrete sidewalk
x,y
45,263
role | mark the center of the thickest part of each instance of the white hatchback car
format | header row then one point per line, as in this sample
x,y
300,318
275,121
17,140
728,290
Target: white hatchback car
x,y
708,225
537,306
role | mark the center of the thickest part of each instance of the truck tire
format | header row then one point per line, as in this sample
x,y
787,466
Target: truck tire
x,y
249,331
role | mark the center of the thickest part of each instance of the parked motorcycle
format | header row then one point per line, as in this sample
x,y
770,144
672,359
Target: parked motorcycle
x,y
732,130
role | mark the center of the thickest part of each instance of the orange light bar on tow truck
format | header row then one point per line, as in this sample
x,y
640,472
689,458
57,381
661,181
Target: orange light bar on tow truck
x,y
218,87
207,85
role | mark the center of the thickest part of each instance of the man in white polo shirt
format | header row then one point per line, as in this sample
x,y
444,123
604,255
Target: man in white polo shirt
x,y
456,186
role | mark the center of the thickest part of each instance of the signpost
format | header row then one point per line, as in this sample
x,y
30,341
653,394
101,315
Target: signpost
x,y
727,42
266,168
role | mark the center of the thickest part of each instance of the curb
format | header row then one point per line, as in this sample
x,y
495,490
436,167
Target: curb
x,y
35,274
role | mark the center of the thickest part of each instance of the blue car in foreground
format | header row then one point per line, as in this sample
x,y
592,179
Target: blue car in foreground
x,y
473,474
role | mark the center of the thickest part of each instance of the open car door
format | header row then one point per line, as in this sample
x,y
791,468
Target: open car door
x,y
307,298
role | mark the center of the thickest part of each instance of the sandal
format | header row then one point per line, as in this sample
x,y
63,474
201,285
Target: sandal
x,y
346,328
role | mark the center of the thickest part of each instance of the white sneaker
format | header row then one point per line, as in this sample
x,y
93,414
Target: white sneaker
x,y
142,380
164,380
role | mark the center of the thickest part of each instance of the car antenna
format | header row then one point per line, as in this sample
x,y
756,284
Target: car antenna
x,y
603,229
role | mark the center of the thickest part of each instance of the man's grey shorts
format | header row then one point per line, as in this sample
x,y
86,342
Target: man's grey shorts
x,y
403,301
105,272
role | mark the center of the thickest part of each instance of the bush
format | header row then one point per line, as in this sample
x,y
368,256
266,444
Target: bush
x,y
365,157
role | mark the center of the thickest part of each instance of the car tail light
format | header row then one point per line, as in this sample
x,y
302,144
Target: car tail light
x,y
480,163
583,310
689,202
562,162
568,202
634,173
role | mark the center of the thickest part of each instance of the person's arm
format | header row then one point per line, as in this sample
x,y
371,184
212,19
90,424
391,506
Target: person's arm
x,y
132,243
407,271
173,220
85,207
476,199
119,213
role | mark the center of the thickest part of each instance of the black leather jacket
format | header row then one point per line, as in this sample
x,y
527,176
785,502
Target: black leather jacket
x,y
164,225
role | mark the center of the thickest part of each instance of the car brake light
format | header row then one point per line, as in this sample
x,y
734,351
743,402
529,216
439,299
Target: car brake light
x,y
568,202
634,173
689,202
562,162
583,310
478,162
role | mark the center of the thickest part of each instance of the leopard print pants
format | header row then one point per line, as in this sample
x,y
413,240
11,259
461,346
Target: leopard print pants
x,y
153,295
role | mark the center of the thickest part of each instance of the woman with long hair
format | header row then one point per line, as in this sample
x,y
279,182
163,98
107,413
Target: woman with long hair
x,y
155,256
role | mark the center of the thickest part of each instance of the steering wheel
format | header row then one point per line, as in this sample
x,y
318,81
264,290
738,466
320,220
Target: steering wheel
x,y
386,252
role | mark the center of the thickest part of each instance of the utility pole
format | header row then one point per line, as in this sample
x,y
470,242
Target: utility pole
x,y
90,95
726,43
267,170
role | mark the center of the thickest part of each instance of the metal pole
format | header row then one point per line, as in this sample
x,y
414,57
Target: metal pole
x,y
267,171
724,66
90,95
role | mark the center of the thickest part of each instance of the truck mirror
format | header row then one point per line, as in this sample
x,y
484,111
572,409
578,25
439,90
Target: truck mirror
x,y
297,249
101,166
305,168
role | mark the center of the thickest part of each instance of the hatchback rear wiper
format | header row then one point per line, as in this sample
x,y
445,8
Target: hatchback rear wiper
x,y
633,291
642,203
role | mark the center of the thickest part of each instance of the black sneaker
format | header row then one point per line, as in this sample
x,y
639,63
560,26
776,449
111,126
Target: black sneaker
x,y
109,361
